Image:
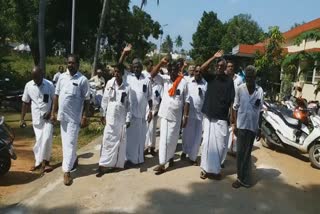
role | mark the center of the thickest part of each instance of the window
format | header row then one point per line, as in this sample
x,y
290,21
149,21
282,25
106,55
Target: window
x,y
316,76
309,76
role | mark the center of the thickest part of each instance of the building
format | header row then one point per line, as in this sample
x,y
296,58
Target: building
x,y
310,78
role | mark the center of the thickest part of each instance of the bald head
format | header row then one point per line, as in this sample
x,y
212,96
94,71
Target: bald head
x,y
37,75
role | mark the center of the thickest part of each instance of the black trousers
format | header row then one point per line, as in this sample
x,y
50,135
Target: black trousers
x,y
245,140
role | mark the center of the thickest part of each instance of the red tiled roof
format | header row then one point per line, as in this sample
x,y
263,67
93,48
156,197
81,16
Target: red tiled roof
x,y
250,49
315,24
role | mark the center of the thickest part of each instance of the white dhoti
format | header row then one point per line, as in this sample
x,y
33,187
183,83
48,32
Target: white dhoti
x,y
43,145
113,148
169,135
232,145
69,137
136,138
191,138
213,145
151,132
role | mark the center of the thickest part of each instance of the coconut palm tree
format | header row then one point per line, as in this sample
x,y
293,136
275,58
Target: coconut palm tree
x,y
178,41
144,3
101,24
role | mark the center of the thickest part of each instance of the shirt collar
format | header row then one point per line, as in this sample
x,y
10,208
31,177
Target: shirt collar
x,y
194,80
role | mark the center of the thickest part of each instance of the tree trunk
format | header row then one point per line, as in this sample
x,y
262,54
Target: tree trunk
x,y
101,24
41,34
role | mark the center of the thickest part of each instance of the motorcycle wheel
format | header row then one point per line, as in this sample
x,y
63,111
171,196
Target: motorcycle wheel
x,y
5,162
265,143
314,155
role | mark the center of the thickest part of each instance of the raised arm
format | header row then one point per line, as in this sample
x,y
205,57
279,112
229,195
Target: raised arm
x,y
125,53
156,69
205,66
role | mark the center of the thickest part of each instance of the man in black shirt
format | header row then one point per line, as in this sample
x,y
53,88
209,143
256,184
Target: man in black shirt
x,y
218,101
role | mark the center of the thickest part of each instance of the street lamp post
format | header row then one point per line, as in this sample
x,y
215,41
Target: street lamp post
x,y
72,26
161,40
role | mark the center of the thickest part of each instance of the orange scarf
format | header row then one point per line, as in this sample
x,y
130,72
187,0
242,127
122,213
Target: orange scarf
x,y
172,90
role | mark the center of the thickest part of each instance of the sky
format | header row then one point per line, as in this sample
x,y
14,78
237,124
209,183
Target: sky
x,y
182,16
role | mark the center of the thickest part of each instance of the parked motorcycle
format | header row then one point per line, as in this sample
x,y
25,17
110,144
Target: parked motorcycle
x,y
280,128
6,147
10,98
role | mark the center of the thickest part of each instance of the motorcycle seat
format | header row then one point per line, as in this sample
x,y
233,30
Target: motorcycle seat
x,y
286,115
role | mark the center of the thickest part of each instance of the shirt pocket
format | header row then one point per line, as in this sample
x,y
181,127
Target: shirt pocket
x,y
72,88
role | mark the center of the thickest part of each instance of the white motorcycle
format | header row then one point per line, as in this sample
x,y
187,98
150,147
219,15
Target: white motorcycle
x,y
281,129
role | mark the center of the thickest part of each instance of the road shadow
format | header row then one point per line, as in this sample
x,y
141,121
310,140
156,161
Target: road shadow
x,y
17,178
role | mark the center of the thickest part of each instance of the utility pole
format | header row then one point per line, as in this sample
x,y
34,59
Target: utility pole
x,y
72,26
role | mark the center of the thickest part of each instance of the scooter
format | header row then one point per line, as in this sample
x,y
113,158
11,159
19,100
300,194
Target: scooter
x,y
6,147
279,128
10,98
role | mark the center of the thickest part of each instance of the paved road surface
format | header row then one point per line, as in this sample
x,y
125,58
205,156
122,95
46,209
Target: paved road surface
x,y
283,184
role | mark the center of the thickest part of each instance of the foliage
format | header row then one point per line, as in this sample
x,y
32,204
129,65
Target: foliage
x,y
178,41
268,64
144,3
207,39
167,45
241,29
309,35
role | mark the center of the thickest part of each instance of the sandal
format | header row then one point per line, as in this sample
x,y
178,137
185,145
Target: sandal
x,y
203,175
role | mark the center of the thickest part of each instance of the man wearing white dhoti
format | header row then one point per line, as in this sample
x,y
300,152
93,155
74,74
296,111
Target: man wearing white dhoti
x,y
141,92
192,133
116,116
40,93
157,88
174,104
73,95
218,101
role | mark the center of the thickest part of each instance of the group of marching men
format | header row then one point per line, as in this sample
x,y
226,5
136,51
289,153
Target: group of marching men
x,y
211,108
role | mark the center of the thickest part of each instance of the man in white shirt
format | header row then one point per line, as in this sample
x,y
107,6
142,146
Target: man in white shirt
x,y
40,93
157,90
174,104
141,97
99,84
72,94
247,111
116,115
192,133
57,75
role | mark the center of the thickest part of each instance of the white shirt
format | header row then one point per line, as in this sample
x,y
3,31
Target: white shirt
x,y
72,92
197,91
56,78
171,108
248,107
141,93
99,82
237,80
115,103
157,90
41,98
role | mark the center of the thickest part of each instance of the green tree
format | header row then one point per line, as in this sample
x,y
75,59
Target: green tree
x,y
268,64
241,29
167,45
207,39
41,34
144,3
178,41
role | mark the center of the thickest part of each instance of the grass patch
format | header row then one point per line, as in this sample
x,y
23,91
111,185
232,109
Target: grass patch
x,y
86,135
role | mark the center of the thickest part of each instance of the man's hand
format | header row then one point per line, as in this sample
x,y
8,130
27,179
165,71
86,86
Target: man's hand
x,y
127,124
149,118
234,129
164,61
184,121
219,54
23,124
258,137
84,122
103,120
53,118
155,114
127,49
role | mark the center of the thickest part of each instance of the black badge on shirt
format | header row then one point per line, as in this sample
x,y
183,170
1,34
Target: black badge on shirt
x,y
178,92
157,93
75,84
144,88
257,103
123,96
46,98
200,92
